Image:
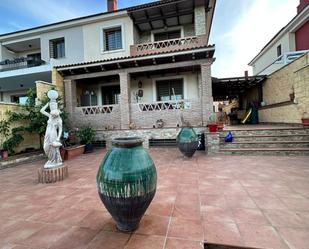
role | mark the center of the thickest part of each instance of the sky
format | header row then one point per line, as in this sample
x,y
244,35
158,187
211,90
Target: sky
x,y
241,28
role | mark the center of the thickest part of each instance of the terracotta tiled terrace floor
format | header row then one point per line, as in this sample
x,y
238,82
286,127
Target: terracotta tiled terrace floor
x,y
253,201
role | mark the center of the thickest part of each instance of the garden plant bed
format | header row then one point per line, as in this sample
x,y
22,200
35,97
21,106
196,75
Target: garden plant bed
x,y
21,158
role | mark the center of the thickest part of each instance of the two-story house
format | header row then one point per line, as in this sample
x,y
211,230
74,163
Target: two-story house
x,y
289,43
138,68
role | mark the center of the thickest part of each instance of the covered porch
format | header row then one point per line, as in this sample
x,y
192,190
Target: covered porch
x,y
235,97
140,93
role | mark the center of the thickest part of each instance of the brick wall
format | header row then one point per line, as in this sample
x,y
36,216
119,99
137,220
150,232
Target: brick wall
x,y
99,121
276,89
170,117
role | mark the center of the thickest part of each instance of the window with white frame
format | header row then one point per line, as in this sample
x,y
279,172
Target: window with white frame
x,y
112,39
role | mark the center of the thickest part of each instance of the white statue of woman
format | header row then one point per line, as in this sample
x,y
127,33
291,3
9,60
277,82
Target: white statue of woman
x,y
53,132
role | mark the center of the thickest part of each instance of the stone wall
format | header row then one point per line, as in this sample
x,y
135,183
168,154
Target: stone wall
x,y
200,20
57,81
278,87
146,134
42,88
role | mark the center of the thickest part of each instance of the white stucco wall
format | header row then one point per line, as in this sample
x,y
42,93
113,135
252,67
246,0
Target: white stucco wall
x,y
74,45
5,54
287,43
149,87
25,53
93,39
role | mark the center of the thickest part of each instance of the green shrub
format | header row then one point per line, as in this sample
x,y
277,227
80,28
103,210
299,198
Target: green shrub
x,y
86,135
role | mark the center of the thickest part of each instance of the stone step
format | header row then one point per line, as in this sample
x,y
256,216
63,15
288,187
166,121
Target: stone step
x,y
244,138
267,151
265,144
270,132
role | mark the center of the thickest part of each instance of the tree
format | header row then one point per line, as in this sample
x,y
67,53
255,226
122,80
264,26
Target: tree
x,y
30,118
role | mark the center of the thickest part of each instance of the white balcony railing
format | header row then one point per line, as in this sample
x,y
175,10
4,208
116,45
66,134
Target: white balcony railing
x,y
172,45
20,63
164,105
96,110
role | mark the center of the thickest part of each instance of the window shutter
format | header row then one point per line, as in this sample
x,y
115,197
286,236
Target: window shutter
x,y
178,89
163,90
51,49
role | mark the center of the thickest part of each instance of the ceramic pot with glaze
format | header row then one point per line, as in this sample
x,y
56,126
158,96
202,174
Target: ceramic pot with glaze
x,y
126,182
187,141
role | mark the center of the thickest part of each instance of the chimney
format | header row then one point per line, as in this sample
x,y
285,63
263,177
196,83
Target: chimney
x,y
111,5
246,75
302,4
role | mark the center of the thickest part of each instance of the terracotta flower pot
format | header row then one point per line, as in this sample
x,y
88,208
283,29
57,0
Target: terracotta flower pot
x,y
305,122
5,155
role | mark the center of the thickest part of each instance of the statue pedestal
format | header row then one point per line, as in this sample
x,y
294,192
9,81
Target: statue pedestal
x,y
53,175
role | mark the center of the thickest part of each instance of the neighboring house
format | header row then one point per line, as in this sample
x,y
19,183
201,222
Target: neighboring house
x,y
127,68
289,43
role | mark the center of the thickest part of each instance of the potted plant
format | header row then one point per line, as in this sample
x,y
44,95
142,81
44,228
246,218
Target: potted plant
x,y
212,125
4,133
305,119
70,147
86,136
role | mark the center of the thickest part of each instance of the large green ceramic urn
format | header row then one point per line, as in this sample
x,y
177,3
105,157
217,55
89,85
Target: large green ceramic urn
x,y
126,182
187,141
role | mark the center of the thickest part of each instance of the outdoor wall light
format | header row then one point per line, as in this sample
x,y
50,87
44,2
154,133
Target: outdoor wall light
x,y
140,84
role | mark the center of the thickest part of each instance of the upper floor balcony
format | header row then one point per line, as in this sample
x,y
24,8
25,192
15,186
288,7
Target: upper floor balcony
x,y
169,46
20,63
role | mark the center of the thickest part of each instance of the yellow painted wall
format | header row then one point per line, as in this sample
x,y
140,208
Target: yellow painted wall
x,y
279,86
30,140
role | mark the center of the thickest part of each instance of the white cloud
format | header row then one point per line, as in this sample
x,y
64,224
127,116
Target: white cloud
x,y
254,28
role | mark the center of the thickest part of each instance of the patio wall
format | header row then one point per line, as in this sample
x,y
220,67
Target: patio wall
x,y
277,88
146,134
30,140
